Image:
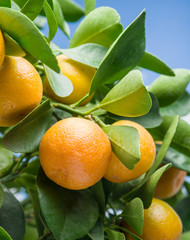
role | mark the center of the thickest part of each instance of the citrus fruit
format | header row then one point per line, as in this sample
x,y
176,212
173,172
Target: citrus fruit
x,y
2,48
117,172
75,153
20,90
161,222
79,74
169,183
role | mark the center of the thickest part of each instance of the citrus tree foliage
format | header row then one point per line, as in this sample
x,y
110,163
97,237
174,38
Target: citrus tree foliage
x,y
49,211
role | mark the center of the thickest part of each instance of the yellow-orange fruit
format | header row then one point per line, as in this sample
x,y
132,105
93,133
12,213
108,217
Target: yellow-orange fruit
x,y
20,90
161,222
169,183
117,172
79,74
2,48
75,153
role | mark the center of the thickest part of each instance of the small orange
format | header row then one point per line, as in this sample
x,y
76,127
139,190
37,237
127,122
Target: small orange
x,y
2,48
79,74
117,172
75,153
20,90
170,183
161,222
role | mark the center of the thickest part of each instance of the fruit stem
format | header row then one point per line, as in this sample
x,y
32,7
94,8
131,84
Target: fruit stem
x,y
74,105
97,120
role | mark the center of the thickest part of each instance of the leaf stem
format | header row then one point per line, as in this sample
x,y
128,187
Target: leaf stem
x,y
91,110
97,120
74,105
67,108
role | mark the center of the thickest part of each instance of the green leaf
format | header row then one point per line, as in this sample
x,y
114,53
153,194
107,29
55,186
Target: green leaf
x,y
52,22
114,235
31,233
5,3
180,107
2,196
125,143
123,55
24,32
169,89
32,167
97,232
71,10
32,8
90,54
11,213
185,236
147,191
12,48
101,26
89,6
169,135
183,211
150,120
133,214
4,235
181,140
6,161
98,191
60,18
154,64
60,84
69,214
129,97
22,137
178,159
40,21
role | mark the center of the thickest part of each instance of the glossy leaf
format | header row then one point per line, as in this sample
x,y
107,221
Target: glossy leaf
x,y
90,54
147,191
168,137
183,211
22,137
128,98
11,212
154,64
180,107
6,161
125,143
40,21
2,196
32,8
20,3
31,233
101,26
123,55
178,159
60,84
24,32
97,232
4,235
67,213
185,236
72,11
5,3
52,22
114,235
12,48
89,6
133,214
182,136
150,120
60,18
98,192
169,89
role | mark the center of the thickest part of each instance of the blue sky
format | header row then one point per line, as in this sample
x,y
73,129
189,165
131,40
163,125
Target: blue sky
x,y
167,29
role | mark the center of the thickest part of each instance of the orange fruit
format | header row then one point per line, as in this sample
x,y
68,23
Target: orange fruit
x,y
79,74
20,90
75,153
2,48
161,222
169,183
117,172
